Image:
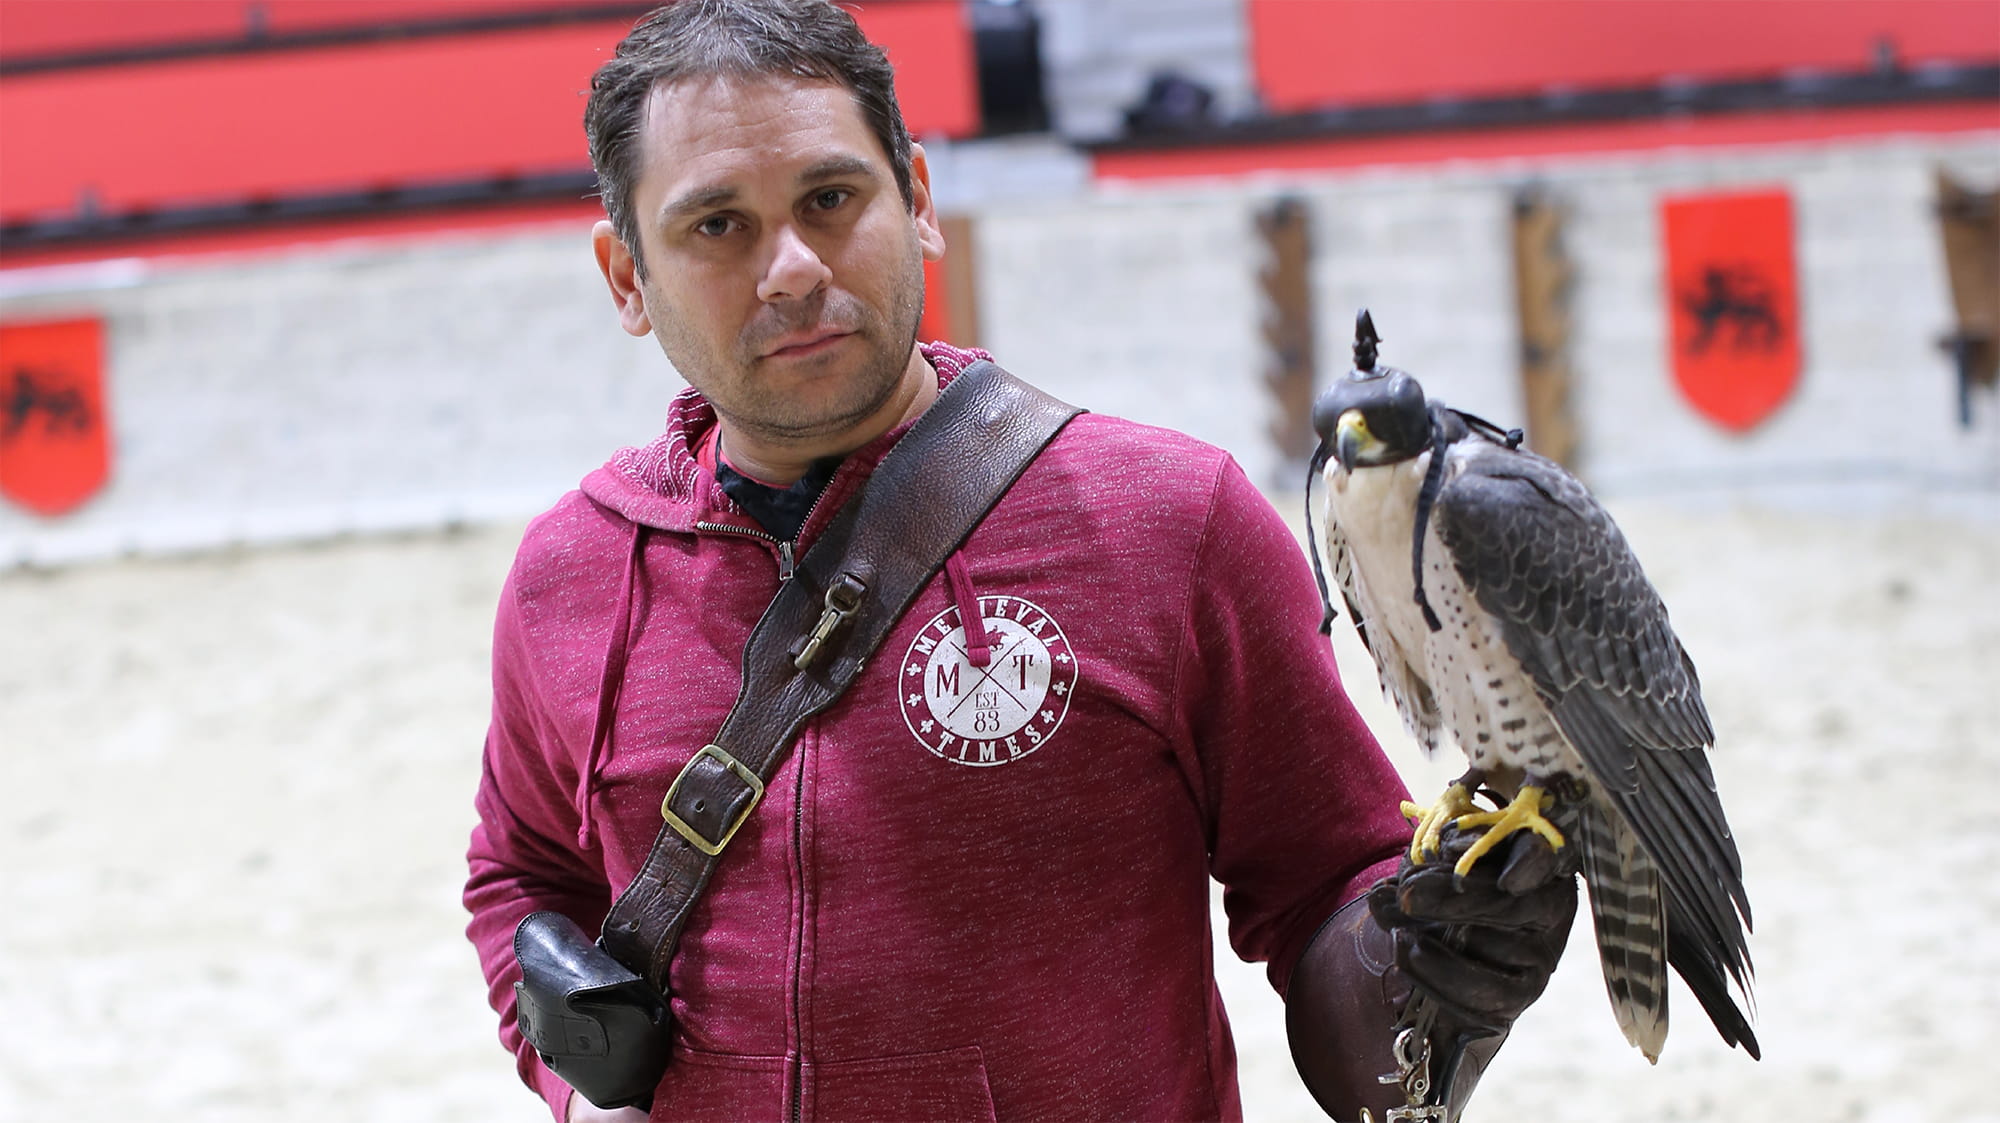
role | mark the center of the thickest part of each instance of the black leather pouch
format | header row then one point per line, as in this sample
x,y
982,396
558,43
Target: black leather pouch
x,y
597,1025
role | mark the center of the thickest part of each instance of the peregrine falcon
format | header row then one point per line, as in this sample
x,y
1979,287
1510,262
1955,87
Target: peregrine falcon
x,y
1504,608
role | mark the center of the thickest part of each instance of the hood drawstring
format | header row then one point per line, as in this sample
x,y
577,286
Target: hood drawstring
x,y
1313,469
978,646
609,686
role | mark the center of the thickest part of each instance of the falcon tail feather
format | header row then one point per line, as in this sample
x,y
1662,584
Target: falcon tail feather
x,y
1628,918
1702,971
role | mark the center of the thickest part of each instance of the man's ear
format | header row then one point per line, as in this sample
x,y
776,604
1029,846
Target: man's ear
x,y
621,272
929,235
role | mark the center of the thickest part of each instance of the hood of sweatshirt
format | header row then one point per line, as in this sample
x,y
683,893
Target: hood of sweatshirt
x,y
663,486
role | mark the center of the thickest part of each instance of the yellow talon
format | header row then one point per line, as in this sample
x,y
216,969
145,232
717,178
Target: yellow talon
x,y
1453,804
1525,812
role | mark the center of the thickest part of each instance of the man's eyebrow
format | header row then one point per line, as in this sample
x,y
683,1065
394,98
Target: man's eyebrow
x,y
709,198
837,167
700,199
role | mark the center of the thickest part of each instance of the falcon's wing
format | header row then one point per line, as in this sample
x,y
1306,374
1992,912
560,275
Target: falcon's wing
x,y
1541,555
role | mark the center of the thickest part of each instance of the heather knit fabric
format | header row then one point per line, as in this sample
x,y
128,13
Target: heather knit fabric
x,y
971,891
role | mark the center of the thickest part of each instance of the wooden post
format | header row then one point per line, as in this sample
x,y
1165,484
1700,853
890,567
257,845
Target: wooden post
x,y
1970,224
951,286
1542,278
1290,358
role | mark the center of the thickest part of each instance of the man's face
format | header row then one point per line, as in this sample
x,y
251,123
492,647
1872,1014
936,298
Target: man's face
x,y
784,275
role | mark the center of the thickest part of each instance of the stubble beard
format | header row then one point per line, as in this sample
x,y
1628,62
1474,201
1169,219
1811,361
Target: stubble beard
x,y
743,399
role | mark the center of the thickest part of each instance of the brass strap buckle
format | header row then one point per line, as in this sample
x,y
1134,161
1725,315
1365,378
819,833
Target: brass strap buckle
x,y
686,830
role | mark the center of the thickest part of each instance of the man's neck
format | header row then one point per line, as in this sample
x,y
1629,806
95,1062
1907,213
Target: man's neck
x,y
782,463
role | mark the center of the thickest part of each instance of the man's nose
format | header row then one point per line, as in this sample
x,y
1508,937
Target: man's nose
x,y
795,270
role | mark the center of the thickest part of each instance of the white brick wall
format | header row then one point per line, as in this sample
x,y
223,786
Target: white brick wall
x,y
1874,416
1143,308
1432,260
363,387
1873,423
373,386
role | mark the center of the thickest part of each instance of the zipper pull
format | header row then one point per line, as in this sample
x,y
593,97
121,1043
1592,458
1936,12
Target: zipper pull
x,y
785,564
843,599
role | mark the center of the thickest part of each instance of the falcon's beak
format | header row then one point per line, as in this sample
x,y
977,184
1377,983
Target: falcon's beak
x,y
1350,437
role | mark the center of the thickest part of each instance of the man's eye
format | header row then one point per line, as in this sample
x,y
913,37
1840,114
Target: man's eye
x,y
714,227
829,199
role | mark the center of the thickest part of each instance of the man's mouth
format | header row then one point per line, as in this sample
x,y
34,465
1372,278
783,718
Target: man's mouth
x,y
807,344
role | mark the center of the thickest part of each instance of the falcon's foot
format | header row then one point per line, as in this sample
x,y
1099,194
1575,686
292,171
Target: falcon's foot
x,y
1524,813
1455,803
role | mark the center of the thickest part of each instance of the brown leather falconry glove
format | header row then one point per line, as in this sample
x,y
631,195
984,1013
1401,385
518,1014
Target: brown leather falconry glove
x,y
1480,950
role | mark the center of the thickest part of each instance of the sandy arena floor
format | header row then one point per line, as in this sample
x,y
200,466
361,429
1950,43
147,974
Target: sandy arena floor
x,y
236,792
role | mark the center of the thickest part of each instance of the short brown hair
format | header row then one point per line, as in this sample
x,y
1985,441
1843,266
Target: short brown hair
x,y
738,38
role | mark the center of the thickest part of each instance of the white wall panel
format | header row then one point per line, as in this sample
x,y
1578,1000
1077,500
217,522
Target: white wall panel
x,y
368,386
363,387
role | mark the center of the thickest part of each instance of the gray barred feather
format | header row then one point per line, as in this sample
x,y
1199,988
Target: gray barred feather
x,y
1628,918
1569,598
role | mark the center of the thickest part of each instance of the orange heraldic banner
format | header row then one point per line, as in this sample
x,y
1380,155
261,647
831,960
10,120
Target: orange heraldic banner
x,y
1732,298
55,443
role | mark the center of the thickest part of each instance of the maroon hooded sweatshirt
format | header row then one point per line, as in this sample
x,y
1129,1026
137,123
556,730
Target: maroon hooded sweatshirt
x,y
976,888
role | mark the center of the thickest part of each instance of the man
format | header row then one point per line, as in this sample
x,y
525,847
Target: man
x,y
974,889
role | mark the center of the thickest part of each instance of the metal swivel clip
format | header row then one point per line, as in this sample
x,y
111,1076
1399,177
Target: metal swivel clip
x,y
843,599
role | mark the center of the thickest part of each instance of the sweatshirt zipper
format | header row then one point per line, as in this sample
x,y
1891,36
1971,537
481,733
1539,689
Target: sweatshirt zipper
x,y
799,859
786,567
798,962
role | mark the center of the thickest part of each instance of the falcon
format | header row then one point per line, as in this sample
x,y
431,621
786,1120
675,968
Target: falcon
x,y
1504,609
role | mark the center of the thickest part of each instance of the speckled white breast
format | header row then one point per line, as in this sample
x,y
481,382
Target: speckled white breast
x,y
1486,702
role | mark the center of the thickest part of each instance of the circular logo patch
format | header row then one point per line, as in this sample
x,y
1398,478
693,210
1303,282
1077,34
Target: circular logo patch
x,y
997,713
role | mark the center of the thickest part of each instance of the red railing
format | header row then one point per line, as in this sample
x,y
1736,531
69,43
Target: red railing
x,y
1314,53
245,126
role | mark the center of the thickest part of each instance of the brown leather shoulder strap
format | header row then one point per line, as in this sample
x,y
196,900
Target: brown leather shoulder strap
x,y
923,501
